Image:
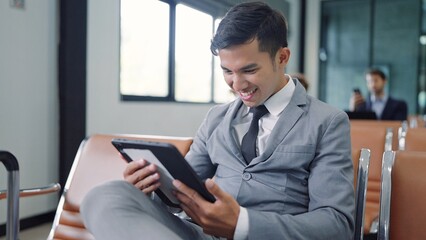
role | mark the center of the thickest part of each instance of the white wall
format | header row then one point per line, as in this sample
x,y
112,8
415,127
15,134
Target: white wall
x,y
105,112
29,99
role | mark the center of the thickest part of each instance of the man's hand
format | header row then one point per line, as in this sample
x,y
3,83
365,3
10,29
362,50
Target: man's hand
x,y
218,218
355,100
143,176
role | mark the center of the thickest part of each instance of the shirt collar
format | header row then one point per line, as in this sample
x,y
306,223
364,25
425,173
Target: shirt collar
x,y
277,102
373,98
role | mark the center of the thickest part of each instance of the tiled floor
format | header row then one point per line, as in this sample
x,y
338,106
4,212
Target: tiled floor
x,y
37,233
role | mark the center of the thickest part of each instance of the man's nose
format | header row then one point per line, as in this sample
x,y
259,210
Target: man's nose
x,y
239,82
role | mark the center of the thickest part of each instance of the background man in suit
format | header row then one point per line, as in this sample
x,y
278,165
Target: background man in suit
x,y
385,107
280,159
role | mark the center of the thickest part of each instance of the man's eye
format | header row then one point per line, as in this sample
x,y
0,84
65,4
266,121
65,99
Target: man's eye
x,y
250,71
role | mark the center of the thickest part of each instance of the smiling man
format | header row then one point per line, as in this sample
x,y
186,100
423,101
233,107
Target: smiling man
x,y
280,159
253,74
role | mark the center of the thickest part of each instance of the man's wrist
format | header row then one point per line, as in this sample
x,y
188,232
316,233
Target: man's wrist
x,y
242,228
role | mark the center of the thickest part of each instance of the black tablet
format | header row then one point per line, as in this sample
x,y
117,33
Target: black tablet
x,y
170,164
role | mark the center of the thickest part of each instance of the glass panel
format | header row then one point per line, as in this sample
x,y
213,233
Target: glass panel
x,y
144,48
193,60
222,92
342,64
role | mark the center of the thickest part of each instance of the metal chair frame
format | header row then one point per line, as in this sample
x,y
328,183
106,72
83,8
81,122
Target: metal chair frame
x,y
13,193
361,193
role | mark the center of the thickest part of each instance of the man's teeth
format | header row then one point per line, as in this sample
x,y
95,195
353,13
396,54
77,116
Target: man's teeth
x,y
245,94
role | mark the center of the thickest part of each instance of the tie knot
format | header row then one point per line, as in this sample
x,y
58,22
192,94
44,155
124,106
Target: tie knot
x,y
259,111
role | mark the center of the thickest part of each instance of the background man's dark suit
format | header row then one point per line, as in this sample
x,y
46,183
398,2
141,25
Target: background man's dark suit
x,y
394,109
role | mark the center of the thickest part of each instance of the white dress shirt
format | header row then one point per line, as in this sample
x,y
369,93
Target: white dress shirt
x,y
378,104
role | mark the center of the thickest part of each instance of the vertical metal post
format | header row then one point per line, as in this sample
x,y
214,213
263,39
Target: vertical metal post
x,y
12,224
361,192
385,195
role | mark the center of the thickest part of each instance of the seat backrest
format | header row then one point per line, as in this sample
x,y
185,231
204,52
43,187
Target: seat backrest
x,y
371,135
394,125
403,196
96,162
415,139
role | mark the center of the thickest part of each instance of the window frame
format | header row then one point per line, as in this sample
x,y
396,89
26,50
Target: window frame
x,y
215,10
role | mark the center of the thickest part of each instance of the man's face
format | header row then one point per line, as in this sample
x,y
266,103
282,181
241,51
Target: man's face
x,y
251,74
375,84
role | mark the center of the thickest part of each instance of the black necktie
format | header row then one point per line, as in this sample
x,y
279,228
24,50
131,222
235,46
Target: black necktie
x,y
248,145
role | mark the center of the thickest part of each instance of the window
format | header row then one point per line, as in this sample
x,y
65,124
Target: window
x,y
193,59
165,53
144,51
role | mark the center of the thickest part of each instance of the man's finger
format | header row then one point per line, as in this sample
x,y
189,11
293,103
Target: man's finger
x,y
214,189
187,191
133,167
190,213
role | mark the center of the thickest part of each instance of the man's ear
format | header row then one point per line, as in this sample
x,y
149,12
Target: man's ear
x,y
283,56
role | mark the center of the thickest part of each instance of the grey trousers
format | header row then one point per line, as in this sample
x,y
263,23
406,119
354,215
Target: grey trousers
x,y
118,210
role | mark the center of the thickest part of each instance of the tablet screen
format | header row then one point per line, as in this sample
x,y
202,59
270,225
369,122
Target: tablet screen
x,y
166,178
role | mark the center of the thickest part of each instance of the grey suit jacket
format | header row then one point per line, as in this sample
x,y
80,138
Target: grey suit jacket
x,y
301,186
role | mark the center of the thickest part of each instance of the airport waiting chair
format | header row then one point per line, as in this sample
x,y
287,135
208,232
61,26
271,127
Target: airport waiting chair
x,y
403,196
96,162
376,138
361,175
98,151
13,193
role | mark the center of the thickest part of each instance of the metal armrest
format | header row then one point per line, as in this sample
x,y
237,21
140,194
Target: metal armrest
x,y
12,167
385,195
13,193
402,134
53,187
361,192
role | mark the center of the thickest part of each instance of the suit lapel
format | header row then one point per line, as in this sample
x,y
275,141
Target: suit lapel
x,y
285,123
229,136
386,109
368,104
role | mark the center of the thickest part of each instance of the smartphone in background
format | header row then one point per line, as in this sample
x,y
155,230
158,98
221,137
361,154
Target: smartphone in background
x,y
356,90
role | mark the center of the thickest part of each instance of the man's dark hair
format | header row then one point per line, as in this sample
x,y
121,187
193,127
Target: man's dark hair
x,y
376,71
247,21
